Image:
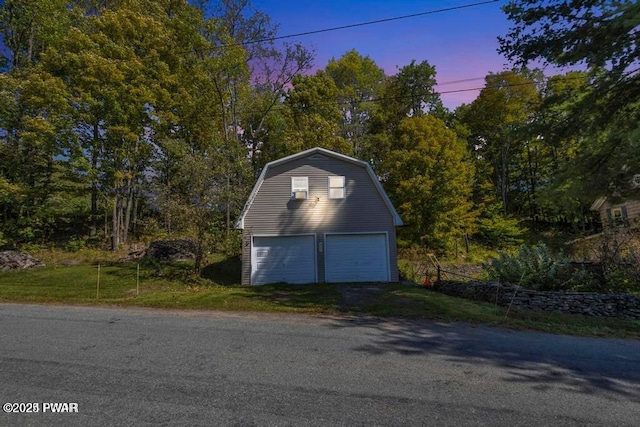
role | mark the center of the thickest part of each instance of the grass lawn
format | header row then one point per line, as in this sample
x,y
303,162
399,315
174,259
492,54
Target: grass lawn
x,y
175,287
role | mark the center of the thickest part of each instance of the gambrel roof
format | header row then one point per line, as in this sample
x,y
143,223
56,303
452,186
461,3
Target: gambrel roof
x,y
317,150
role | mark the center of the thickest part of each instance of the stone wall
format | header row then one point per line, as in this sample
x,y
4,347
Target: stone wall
x,y
623,306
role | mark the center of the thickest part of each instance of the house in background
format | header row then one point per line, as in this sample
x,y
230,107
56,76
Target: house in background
x,y
315,217
622,213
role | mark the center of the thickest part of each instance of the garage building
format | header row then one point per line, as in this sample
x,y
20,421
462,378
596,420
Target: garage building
x,y
318,216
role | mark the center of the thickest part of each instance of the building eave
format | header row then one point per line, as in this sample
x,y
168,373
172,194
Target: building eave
x,y
597,204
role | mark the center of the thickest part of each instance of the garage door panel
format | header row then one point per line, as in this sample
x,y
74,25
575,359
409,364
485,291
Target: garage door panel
x,y
357,258
287,259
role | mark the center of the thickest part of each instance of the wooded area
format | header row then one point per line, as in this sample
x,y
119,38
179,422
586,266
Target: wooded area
x,y
123,120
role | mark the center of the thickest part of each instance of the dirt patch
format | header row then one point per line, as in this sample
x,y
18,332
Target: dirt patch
x,y
357,296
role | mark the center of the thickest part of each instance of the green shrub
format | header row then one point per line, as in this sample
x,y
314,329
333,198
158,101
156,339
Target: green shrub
x,y
623,278
31,248
4,241
408,271
414,263
532,267
228,243
497,231
75,244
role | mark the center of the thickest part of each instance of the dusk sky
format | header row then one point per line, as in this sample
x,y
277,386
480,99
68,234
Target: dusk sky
x,y
461,44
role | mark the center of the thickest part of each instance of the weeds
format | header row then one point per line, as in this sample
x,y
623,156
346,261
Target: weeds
x,y
533,267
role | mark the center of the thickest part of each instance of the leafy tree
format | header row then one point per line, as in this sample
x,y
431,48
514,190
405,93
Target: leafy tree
x,y
250,76
28,27
313,115
34,116
99,93
494,230
411,92
117,63
255,94
429,181
195,196
359,81
603,37
554,32
498,122
564,193
270,82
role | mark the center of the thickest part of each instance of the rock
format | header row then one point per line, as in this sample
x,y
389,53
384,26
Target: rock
x,y
172,250
13,261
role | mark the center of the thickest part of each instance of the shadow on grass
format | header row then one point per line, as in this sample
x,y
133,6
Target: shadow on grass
x,y
225,272
356,298
175,271
319,298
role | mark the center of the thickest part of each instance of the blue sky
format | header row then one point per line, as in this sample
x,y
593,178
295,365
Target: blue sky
x,y
461,44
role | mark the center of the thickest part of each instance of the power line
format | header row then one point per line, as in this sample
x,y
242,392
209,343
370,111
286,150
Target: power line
x,y
452,82
486,87
401,97
362,24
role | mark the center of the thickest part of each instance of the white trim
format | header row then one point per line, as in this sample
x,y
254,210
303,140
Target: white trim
x,y
613,213
315,249
344,187
396,218
305,188
348,233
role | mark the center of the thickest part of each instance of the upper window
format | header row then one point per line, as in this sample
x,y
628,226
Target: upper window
x,y
299,187
618,216
336,187
616,213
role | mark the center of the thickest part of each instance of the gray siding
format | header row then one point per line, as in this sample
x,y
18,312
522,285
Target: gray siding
x,y
273,211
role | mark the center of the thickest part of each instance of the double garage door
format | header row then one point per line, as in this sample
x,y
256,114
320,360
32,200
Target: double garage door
x,y
292,259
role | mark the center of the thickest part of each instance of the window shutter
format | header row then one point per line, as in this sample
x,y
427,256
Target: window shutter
x,y
623,210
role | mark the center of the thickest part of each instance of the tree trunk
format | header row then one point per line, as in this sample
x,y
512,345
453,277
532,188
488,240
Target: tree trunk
x,y
121,201
228,206
504,181
115,233
199,251
127,213
94,184
533,172
134,222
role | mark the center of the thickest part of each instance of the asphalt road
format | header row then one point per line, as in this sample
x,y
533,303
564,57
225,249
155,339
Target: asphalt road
x,y
158,367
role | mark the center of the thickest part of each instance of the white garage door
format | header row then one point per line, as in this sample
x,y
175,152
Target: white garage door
x,y
357,258
286,259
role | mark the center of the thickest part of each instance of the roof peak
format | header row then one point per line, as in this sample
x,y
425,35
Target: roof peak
x,y
309,152
312,151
